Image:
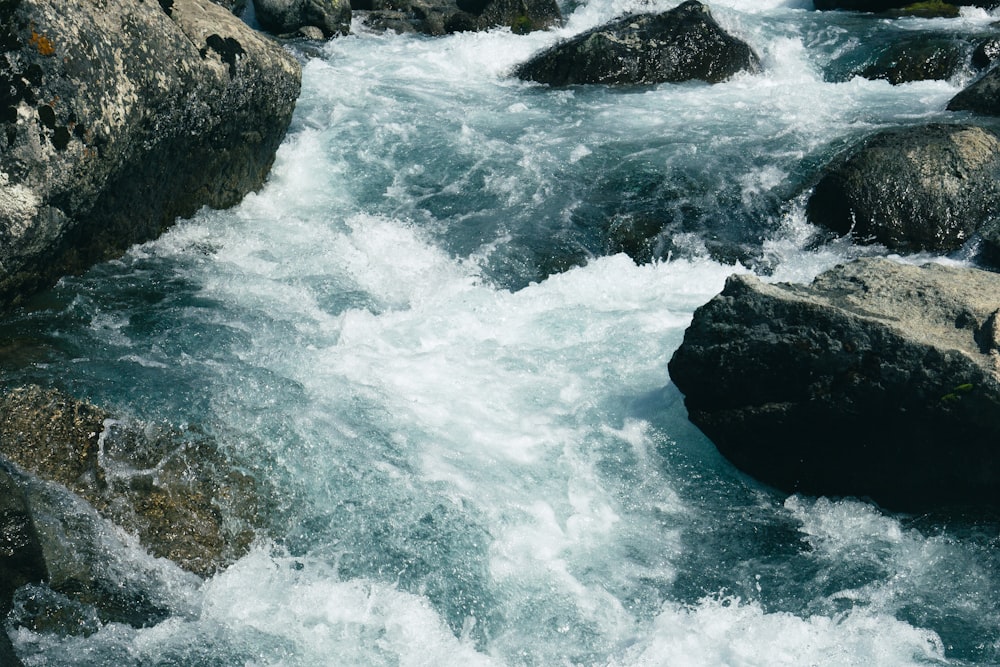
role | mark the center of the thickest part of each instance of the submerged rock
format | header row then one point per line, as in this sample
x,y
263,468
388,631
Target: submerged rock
x,y
21,558
117,117
682,44
878,380
283,17
175,490
921,188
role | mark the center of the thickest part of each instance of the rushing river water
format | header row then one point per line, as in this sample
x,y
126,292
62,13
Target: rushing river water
x,y
421,334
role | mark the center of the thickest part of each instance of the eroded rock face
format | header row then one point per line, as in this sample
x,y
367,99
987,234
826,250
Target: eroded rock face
x,y
175,490
922,188
682,44
878,380
120,116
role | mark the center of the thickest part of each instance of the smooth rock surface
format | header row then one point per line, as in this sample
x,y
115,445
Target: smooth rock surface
x,y
878,380
117,117
682,44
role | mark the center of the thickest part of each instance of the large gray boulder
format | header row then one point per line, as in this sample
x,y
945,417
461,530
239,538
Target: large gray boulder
x,y
682,44
283,17
117,117
878,380
922,188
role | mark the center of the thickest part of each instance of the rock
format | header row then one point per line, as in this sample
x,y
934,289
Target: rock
x,y
932,8
879,380
89,562
917,59
117,117
981,96
682,44
175,490
921,188
285,17
440,17
21,558
987,52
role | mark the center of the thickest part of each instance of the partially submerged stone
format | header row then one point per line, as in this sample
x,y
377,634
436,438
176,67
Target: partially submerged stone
x,y
928,187
175,490
682,44
878,380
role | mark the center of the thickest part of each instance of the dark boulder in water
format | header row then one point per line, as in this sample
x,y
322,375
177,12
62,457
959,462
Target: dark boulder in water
x,y
986,53
440,17
878,380
682,44
928,9
981,96
922,188
287,17
117,117
917,59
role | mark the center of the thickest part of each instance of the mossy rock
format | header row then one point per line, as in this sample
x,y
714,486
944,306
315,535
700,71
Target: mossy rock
x,y
928,10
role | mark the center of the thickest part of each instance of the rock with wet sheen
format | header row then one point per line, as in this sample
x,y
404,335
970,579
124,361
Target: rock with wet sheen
x,y
928,187
682,44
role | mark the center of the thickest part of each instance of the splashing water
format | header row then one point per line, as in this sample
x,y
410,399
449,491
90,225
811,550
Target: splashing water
x,y
421,333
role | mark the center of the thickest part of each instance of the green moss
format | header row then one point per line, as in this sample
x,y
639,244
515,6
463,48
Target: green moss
x,y
521,25
930,9
956,393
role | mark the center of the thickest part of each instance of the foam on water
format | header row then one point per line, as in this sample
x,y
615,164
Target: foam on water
x,y
477,459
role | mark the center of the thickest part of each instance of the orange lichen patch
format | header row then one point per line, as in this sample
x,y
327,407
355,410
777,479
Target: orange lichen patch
x,y
42,43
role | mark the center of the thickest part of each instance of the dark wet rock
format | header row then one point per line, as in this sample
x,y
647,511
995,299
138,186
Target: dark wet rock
x,y
182,497
21,558
89,562
285,17
917,59
922,188
118,117
986,53
682,44
930,9
440,17
878,380
981,96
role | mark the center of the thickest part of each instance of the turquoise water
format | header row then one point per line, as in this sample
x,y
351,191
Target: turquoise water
x,y
421,333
